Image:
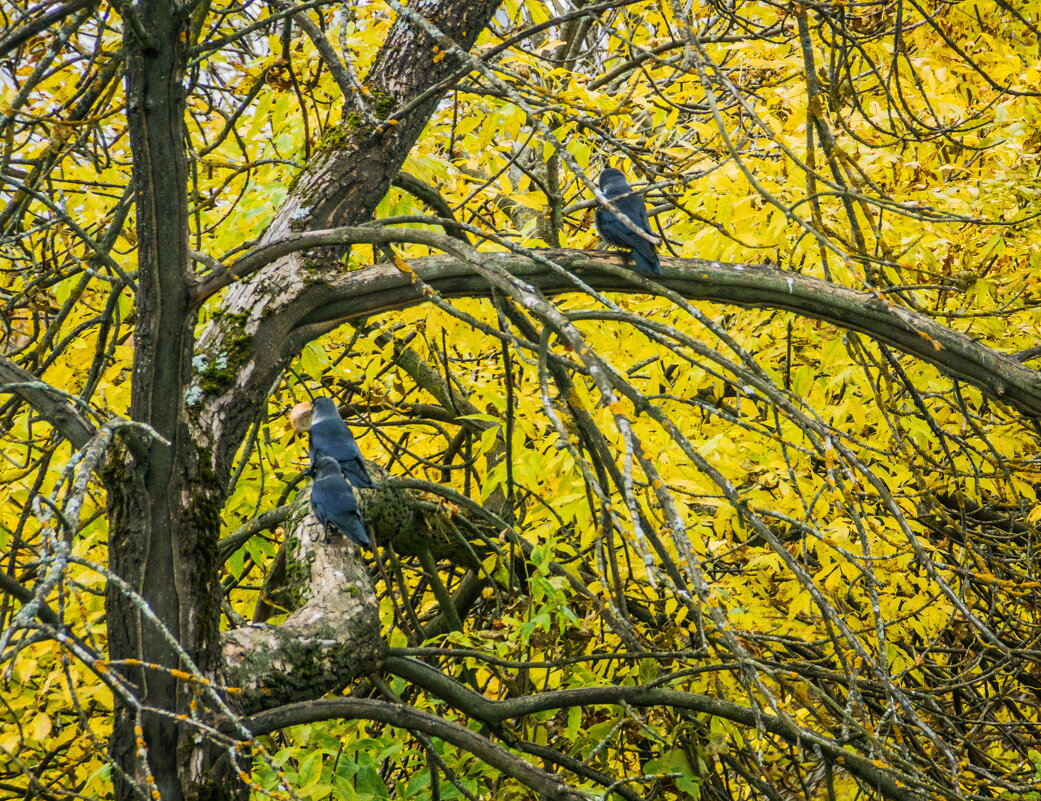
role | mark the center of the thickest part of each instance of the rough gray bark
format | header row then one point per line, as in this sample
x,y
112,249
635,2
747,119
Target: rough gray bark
x,y
332,637
163,511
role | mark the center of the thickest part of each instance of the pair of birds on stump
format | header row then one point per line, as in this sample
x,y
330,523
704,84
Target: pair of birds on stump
x,y
336,467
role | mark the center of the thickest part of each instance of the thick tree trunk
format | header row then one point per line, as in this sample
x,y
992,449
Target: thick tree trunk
x,y
164,511
171,566
165,499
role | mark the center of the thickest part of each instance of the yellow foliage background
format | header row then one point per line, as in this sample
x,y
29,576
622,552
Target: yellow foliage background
x,y
897,492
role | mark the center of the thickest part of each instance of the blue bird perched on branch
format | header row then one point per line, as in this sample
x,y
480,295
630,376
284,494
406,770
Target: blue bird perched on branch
x,y
615,232
331,436
333,501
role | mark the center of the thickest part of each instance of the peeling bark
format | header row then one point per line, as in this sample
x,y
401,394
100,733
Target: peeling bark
x,y
333,634
330,639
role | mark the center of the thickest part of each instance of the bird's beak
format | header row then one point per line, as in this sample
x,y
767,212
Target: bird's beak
x,y
300,417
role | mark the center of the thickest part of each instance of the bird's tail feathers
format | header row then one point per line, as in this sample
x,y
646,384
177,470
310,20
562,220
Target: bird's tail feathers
x,y
646,260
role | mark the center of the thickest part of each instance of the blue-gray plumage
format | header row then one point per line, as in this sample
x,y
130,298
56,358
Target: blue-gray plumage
x,y
333,501
617,233
330,435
